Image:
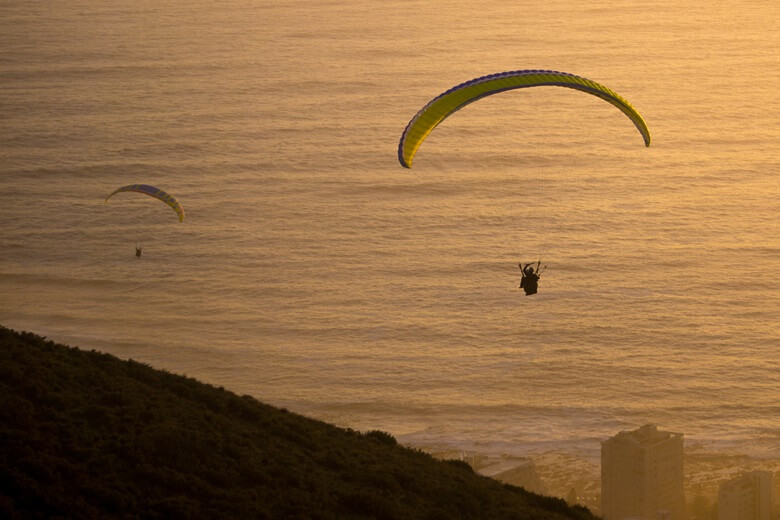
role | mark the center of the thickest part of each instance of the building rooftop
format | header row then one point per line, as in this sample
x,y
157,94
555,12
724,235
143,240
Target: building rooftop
x,y
645,435
745,480
504,465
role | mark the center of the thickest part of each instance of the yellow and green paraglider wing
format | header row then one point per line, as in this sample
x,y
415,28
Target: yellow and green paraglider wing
x,y
447,103
153,192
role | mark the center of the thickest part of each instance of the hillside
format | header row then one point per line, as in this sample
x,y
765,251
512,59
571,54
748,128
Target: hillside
x,y
87,435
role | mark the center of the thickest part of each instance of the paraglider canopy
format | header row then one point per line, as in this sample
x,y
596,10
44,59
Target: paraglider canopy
x,y
447,103
153,192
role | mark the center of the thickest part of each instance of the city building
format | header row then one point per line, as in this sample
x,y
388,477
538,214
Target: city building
x,y
642,475
517,471
748,497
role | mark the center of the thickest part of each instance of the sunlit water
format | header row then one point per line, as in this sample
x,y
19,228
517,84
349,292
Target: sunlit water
x,y
314,272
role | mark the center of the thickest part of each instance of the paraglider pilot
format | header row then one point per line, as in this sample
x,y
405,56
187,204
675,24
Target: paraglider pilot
x,y
530,280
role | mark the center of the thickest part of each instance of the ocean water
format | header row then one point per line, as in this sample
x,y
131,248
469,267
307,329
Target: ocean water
x,y
314,272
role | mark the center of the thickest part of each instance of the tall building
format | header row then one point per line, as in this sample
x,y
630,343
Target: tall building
x,y
642,475
748,497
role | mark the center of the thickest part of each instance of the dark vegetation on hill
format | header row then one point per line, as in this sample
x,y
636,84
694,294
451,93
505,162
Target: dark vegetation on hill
x,y
87,435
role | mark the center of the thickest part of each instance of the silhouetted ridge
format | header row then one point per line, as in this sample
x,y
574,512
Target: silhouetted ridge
x,y
87,435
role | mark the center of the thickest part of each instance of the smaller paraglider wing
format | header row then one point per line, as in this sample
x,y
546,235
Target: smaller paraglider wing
x,y
153,192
